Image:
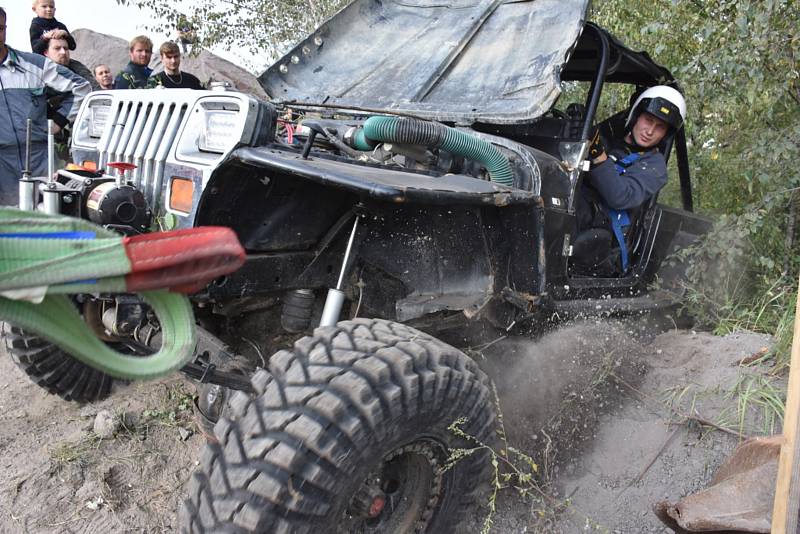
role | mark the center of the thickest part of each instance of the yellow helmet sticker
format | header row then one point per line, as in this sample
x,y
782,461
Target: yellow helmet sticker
x,y
665,111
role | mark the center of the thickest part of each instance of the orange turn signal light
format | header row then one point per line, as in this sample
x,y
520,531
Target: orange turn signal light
x,y
181,192
87,165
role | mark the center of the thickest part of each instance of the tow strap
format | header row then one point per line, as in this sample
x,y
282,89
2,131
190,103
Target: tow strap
x,y
44,257
620,219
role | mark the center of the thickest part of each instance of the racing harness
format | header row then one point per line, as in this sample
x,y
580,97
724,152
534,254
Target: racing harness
x,y
620,219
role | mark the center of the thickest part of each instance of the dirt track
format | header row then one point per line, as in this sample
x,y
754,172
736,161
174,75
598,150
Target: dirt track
x,y
588,402
58,477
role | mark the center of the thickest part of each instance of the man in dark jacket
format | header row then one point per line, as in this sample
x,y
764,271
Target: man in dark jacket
x,y
136,73
58,51
173,77
625,173
103,77
24,80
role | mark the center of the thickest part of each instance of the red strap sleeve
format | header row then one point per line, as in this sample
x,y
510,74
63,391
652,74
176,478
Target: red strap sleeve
x,y
182,260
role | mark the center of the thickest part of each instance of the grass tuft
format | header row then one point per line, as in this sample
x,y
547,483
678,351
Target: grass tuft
x,y
74,452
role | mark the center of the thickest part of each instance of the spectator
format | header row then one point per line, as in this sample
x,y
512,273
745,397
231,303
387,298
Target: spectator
x,y
103,77
172,77
24,80
44,23
58,51
136,73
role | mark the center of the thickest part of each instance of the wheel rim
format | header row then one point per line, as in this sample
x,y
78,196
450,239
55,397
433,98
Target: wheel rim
x,y
401,494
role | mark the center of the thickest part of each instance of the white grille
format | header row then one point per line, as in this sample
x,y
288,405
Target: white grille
x,y
141,131
156,128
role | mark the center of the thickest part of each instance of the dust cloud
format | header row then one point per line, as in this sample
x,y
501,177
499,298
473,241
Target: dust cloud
x,y
551,390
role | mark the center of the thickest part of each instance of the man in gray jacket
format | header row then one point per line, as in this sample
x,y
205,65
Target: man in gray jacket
x,y
58,50
25,79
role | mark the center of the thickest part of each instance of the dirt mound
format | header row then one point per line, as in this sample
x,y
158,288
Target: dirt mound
x,y
94,48
645,452
601,410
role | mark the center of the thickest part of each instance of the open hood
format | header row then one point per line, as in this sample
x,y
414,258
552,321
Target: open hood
x,y
495,61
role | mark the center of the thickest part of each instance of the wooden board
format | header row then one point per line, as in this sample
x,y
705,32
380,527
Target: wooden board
x,y
787,489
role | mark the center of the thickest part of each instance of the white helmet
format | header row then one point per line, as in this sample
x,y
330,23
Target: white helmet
x,y
662,101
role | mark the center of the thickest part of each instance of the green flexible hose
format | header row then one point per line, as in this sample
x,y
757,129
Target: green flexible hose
x,y
418,132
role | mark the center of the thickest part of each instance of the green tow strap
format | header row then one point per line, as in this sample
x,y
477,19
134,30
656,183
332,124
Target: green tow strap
x,y
53,255
57,320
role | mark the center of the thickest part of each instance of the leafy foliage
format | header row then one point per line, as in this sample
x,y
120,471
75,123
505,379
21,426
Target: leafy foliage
x,y
264,28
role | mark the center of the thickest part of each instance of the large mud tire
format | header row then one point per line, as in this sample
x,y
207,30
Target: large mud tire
x,y
53,369
357,410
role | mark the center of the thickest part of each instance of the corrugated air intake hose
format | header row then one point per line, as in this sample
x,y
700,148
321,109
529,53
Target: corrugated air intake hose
x,y
434,135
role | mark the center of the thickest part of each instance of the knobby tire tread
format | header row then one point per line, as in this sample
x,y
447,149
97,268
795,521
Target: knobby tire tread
x,y
54,370
286,456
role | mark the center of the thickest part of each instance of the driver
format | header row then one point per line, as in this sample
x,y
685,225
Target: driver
x,y
628,171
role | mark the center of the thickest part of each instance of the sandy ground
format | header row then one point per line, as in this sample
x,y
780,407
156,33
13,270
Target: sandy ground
x,y
57,477
598,406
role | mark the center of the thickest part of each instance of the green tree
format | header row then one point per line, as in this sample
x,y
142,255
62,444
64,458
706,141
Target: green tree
x,y
261,27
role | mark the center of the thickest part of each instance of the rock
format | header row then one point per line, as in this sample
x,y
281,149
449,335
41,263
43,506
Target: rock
x,y
130,420
96,503
184,433
105,424
88,411
88,491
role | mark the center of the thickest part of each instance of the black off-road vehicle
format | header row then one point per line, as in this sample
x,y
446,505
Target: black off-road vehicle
x,y
414,175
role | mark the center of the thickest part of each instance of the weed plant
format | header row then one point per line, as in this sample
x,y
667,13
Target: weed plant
x,y
761,398
172,410
513,469
175,411
74,452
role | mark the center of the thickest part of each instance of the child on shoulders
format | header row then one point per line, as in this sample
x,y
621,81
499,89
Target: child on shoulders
x,y
44,23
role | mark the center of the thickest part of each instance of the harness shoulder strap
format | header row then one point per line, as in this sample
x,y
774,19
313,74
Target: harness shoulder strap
x,y
620,218
627,161
619,221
